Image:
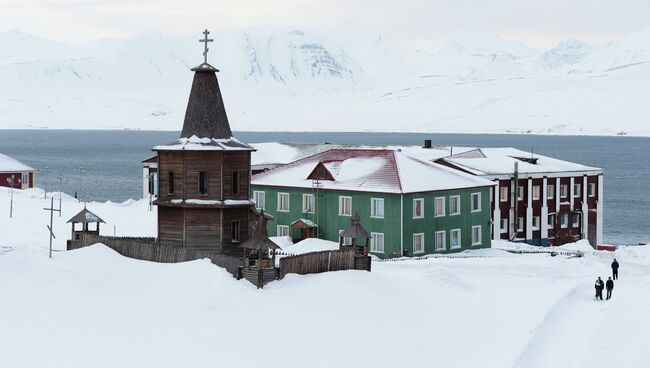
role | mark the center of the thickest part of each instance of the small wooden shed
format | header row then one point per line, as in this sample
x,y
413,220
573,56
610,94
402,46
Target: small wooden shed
x,y
302,229
258,245
85,217
355,236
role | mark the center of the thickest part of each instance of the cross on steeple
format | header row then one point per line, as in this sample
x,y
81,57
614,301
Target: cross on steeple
x,y
205,41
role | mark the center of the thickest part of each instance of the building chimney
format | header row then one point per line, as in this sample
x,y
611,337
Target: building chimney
x,y
427,143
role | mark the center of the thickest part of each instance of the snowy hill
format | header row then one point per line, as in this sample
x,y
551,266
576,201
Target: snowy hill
x,y
344,79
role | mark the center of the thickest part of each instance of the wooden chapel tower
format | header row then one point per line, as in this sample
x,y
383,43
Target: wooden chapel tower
x,y
204,176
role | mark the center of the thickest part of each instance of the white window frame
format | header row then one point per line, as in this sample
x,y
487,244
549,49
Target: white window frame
x,y
478,241
373,245
591,189
436,206
342,199
520,193
346,240
577,190
259,194
533,220
373,212
24,179
537,192
451,239
575,224
477,194
520,224
503,229
502,197
421,200
550,223
451,207
550,191
564,224
564,191
280,207
279,230
421,237
306,199
444,240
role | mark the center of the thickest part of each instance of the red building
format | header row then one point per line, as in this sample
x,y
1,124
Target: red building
x,y
14,173
539,200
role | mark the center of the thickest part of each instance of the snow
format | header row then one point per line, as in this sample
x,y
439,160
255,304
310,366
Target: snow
x,y
10,165
330,80
498,310
308,245
195,143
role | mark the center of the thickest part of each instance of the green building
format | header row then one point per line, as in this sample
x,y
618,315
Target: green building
x,y
410,207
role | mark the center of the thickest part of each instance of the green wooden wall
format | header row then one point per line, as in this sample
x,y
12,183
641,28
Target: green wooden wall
x,y
330,222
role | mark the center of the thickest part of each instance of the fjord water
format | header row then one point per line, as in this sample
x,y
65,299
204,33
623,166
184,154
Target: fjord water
x,y
113,168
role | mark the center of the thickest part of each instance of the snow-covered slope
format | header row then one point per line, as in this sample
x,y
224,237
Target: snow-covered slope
x,y
340,80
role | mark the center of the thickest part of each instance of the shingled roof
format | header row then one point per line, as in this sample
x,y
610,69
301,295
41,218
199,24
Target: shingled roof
x,y
205,116
85,217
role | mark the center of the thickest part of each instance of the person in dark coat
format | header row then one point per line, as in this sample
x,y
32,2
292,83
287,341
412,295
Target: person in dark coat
x,y
609,285
615,269
599,288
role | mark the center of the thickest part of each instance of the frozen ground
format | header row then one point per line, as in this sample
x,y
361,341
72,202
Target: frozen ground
x,y
94,308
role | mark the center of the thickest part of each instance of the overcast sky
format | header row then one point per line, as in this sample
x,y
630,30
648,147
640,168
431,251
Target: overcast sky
x,y
411,23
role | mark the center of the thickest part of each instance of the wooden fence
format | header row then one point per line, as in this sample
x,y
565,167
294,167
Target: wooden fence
x,y
147,249
317,262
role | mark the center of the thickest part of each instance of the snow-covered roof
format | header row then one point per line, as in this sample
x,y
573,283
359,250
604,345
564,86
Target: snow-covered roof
x,y
195,143
275,153
11,165
501,161
370,170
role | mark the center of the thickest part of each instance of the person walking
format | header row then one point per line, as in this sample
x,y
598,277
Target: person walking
x,y
609,285
615,269
599,288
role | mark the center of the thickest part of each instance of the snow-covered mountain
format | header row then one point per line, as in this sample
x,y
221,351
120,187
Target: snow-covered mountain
x,y
343,79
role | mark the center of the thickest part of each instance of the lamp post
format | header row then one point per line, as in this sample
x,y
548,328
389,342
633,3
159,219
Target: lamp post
x,y
47,168
10,181
60,179
81,171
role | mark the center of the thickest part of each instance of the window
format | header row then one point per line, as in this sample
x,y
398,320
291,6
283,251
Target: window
x,y
283,230
418,243
441,240
25,179
345,206
536,194
550,191
308,203
564,191
377,207
440,206
503,194
476,235
346,240
591,189
203,183
418,208
577,189
476,202
520,193
283,202
170,182
235,182
260,199
234,232
377,242
576,220
454,205
564,220
504,225
454,239
520,224
551,220
535,223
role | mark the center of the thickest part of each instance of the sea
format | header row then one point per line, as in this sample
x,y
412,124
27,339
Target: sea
x,y
103,166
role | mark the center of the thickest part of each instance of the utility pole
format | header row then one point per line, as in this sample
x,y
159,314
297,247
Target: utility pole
x,y
52,210
10,181
60,178
82,170
45,177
